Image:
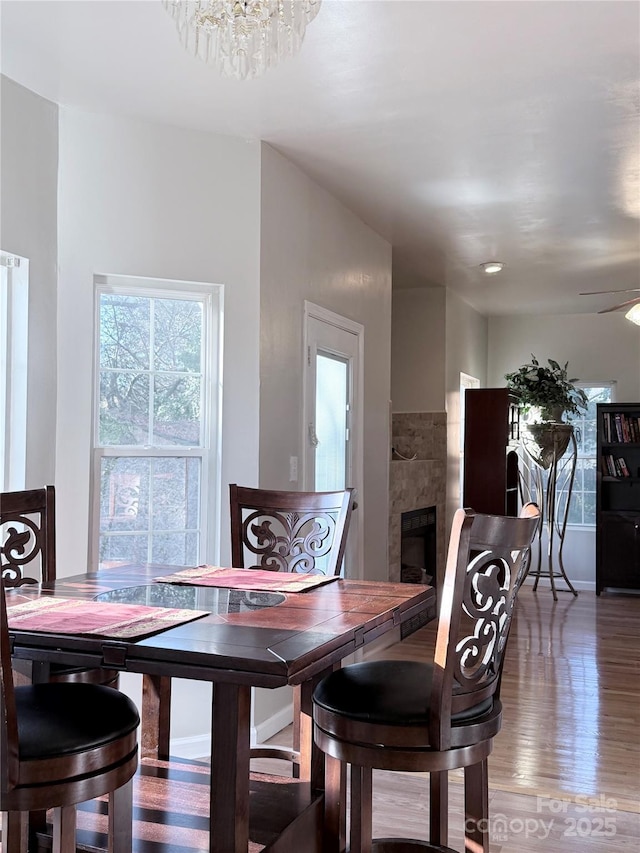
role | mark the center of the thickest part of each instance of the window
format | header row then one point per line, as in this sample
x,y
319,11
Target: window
x,y
156,422
582,509
14,308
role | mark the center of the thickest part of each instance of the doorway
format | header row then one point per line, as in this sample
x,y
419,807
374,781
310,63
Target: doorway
x,y
333,421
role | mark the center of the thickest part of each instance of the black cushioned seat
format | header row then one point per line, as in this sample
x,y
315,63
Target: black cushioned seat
x,y
355,692
61,719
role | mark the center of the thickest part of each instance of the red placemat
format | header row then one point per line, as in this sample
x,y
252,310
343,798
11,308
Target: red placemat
x,y
96,618
249,579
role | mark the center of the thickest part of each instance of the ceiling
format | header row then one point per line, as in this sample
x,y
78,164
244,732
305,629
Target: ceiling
x,y
461,131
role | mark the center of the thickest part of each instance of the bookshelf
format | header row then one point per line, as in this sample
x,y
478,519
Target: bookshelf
x,y
618,497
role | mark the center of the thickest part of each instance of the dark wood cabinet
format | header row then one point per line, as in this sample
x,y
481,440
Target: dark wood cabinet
x,y
490,464
618,497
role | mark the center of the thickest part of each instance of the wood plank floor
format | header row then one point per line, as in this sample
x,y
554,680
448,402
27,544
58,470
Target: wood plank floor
x,y
564,775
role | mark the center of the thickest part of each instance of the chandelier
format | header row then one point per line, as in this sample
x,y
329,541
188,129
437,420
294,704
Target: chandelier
x,y
242,38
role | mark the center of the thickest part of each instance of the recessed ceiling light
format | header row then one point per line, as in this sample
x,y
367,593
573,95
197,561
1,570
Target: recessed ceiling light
x,y
492,267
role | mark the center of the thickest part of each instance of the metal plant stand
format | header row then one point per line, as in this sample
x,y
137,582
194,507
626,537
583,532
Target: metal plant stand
x,y
552,451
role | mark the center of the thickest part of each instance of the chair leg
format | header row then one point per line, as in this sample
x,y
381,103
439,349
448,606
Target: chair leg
x,y
361,809
439,807
15,832
121,819
297,732
335,806
64,830
476,807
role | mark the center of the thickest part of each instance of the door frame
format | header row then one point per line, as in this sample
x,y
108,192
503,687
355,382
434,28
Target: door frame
x,y
324,315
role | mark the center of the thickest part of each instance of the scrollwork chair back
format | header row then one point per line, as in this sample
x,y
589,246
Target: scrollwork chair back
x,y
27,536
478,604
303,532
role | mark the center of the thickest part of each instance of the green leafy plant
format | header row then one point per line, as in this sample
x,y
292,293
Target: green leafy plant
x,y
546,388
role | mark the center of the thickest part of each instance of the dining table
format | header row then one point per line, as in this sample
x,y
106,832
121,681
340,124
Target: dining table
x,y
212,629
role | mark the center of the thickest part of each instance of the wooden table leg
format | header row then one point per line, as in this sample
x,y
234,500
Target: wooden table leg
x,y
155,731
323,772
229,827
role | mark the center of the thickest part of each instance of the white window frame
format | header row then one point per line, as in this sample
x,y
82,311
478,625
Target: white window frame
x,y
14,341
212,298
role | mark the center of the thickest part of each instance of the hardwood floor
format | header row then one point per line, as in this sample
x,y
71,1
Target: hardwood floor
x,y
565,771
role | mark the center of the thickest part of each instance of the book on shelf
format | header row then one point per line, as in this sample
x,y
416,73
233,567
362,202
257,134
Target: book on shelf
x,y
621,466
615,466
620,428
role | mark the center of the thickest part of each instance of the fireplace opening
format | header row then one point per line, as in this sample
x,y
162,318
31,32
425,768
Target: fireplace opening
x,y
418,546
418,555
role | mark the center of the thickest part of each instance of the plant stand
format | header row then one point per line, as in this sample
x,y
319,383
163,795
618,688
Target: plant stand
x,y
552,451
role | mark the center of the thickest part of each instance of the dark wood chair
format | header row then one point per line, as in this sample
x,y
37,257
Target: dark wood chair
x,y
28,556
63,744
273,531
303,532
430,717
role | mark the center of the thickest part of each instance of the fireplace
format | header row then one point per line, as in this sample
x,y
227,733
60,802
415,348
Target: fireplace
x,y
418,554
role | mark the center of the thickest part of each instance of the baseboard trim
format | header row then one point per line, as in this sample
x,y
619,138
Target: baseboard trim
x,y
272,725
544,584
193,747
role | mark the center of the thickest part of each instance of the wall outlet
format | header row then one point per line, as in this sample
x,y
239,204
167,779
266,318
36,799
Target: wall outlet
x,y
293,469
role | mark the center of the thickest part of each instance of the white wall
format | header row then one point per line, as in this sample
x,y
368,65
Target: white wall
x,y
418,350
29,168
598,348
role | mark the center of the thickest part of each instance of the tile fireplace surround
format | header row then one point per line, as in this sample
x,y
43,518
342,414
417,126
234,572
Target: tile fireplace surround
x,y
419,483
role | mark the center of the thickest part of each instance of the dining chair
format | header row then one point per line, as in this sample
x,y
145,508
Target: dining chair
x,y
28,556
303,532
430,717
63,744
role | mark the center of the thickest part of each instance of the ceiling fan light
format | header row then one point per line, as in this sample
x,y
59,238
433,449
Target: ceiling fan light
x,y
492,267
633,314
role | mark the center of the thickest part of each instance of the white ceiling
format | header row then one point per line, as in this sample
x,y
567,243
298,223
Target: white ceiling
x,y
461,131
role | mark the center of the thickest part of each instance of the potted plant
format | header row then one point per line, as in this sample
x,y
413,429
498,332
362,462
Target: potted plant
x,y
547,389
549,392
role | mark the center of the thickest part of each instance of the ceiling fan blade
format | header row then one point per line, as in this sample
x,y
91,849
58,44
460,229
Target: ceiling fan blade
x,y
597,292
626,304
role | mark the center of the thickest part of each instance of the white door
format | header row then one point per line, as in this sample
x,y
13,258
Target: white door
x,y
14,329
333,413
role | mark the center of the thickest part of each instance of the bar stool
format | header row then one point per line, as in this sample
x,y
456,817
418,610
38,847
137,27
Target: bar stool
x,y
433,717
